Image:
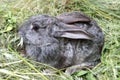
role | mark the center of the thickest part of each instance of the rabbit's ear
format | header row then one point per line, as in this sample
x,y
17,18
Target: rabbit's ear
x,y
73,17
73,32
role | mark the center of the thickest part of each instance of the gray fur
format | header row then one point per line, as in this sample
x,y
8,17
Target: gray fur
x,y
45,42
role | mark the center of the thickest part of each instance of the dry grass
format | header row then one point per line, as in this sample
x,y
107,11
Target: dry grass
x,y
15,67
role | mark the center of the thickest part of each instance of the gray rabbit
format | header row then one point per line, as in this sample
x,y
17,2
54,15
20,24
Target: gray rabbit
x,y
68,39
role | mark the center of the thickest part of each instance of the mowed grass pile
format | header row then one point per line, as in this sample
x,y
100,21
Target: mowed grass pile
x,y
15,67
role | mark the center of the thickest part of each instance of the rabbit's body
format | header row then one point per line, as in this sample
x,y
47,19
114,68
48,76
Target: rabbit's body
x,y
59,44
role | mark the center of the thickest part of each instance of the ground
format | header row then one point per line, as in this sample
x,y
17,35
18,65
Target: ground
x,y
14,67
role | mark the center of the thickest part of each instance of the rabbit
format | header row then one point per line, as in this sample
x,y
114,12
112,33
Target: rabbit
x,y
61,42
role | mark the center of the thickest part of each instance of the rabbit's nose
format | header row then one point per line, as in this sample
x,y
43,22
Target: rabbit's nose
x,y
20,33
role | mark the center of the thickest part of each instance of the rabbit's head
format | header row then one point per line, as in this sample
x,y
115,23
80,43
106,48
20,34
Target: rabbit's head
x,y
35,30
43,30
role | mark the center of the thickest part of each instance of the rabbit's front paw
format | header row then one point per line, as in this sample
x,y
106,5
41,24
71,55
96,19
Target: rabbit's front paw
x,y
72,69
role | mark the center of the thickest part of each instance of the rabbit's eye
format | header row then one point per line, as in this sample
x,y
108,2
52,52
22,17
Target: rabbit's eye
x,y
35,27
